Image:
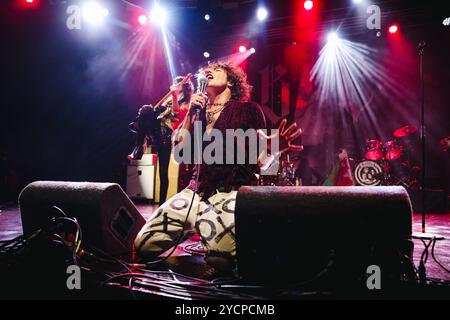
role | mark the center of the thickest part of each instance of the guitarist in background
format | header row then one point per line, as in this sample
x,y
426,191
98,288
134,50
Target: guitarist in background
x,y
156,124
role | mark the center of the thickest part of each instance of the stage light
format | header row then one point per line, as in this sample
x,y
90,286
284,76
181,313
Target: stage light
x,y
206,54
333,38
207,17
346,73
159,15
357,1
308,5
354,74
94,13
446,22
30,3
262,14
393,29
239,56
242,49
143,19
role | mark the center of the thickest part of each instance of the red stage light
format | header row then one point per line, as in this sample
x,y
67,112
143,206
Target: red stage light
x,y
393,29
29,3
143,19
308,5
242,49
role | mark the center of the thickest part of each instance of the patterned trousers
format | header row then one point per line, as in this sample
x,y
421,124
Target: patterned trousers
x,y
213,220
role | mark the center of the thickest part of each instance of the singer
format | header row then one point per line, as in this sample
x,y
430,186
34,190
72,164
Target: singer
x,y
156,125
225,104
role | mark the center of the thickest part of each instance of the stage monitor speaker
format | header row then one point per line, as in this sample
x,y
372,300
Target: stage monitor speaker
x,y
286,234
108,218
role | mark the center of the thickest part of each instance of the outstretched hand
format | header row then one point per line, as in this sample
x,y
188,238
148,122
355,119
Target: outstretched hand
x,y
285,137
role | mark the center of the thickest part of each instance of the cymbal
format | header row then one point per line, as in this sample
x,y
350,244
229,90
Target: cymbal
x,y
404,131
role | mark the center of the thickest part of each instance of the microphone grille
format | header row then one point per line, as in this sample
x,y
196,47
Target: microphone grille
x,y
201,79
202,82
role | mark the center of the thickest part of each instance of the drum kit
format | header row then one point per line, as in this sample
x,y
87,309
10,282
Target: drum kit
x,y
388,163
385,163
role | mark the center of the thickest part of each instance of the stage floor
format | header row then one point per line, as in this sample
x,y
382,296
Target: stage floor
x,y
11,227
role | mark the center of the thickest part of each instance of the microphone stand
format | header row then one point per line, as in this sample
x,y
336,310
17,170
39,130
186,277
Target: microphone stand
x,y
423,234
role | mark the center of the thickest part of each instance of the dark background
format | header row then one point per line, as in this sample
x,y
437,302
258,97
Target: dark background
x,y
66,102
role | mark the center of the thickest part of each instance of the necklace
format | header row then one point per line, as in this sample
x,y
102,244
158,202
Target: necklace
x,y
210,113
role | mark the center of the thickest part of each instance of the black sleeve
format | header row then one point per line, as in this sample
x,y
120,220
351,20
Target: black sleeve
x,y
256,118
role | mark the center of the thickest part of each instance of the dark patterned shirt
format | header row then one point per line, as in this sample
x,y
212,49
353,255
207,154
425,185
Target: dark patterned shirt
x,y
227,177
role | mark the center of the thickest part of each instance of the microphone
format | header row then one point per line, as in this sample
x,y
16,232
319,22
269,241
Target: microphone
x,y
202,83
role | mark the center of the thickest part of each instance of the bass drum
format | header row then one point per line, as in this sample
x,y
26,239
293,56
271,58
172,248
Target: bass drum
x,y
368,173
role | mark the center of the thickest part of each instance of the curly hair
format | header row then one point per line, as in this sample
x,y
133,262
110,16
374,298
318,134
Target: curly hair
x,y
241,89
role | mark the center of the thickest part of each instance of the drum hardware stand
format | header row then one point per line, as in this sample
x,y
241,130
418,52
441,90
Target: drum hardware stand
x,y
423,234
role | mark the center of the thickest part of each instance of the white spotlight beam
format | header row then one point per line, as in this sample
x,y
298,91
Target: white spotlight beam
x,y
346,74
169,55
